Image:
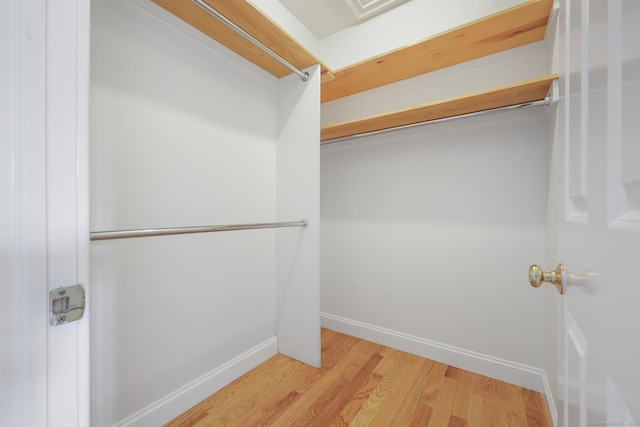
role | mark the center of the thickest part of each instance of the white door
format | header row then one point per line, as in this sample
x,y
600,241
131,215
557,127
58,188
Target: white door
x,y
594,216
44,190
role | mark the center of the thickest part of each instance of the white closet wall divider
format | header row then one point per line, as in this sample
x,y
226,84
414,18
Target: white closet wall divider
x,y
298,196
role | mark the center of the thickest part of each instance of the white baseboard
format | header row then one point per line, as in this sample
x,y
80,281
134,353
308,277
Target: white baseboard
x,y
489,366
174,404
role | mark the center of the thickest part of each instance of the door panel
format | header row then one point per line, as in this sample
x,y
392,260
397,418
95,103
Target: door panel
x,y
577,100
624,102
576,370
594,214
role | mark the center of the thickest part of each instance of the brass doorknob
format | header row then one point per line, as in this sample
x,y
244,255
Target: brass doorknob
x,y
557,278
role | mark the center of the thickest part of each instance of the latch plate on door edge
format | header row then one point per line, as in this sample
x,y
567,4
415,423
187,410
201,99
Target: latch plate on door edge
x,y
66,304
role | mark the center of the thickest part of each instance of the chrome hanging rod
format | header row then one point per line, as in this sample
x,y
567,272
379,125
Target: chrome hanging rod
x,y
546,101
149,232
211,11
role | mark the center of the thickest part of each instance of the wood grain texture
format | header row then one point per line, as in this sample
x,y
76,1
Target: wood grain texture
x,y
362,383
254,22
517,93
514,27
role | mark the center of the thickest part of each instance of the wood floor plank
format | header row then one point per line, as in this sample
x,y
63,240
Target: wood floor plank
x,y
349,411
508,397
535,409
406,393
366,384
308,408
333,402
334,350
481,403
453,373
326,335
396,362
274,406
250,387
421,416
369,389
461,405
457,422
444,404
517,420
414,410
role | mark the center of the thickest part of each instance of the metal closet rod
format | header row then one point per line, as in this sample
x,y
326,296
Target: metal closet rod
x,y
149,232
211,11
546,101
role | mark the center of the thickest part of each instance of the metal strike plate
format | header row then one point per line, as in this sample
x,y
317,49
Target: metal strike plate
x,y
66,304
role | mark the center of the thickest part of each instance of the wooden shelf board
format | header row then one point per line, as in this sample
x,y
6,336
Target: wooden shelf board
x,y
513,27
516,26
254,22
513,94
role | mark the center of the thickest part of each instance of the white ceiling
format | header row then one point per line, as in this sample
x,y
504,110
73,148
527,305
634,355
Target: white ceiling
x,y
327,17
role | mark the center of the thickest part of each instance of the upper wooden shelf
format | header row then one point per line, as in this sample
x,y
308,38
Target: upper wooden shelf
x,y
519,25
503,96
254,22
511,28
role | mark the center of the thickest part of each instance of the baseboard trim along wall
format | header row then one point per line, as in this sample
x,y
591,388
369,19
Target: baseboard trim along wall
x,y
174,404
489,366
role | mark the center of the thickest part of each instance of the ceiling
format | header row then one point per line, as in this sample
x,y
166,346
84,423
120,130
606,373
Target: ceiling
x,y
327,17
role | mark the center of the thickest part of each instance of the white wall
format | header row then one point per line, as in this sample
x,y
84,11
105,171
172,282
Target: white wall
x,y
429,233
180,136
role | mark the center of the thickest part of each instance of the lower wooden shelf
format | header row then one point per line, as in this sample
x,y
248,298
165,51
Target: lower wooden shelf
x,y
503,96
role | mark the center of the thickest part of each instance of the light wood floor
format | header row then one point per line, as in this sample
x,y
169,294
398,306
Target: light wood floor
x,y
366,384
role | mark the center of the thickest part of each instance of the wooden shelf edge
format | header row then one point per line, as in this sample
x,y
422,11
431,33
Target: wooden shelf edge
x,y
502,96
254,22
514,27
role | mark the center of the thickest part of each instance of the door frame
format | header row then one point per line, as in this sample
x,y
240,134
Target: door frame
x,y
47,47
